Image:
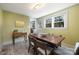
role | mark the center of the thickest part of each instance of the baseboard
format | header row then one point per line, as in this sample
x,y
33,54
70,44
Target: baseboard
x,y
0,47
68,45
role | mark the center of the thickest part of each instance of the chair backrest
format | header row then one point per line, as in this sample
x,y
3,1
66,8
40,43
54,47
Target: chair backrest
x,y
37,42
31,39
41,44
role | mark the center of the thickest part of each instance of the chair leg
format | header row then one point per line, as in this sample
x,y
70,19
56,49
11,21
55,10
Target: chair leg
x,y
45,52
60,44
34,51
28,49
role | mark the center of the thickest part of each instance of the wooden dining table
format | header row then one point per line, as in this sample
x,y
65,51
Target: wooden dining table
x,y
51,40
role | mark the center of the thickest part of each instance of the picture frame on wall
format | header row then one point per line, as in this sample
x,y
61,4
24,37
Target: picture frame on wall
x,y
19,24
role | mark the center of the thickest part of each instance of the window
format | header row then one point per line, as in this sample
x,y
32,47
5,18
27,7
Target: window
x,y
49,23
32,23
57,21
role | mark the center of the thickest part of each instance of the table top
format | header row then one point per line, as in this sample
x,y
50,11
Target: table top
x,y
53,39
18,34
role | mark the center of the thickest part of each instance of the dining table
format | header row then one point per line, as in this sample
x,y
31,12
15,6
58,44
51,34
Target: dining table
x,y
51,40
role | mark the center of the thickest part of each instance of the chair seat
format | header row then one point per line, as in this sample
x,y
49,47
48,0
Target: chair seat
x,y
32,43
42,51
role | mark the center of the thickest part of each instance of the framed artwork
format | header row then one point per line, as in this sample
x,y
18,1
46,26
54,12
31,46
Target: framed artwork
x,y
19,24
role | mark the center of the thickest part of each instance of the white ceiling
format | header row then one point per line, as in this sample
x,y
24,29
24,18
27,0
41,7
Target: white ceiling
x,y
27,8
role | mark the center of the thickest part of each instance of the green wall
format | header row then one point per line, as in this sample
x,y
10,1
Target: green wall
x,y
72,32
0,26
9,20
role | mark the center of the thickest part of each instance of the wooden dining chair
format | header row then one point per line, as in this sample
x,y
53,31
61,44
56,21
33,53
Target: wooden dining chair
x,y
42,47
31,44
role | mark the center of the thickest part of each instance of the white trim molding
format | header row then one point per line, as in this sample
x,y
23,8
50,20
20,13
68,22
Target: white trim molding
x,y
63,13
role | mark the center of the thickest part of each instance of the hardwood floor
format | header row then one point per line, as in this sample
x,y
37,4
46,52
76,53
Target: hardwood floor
x,y
21,48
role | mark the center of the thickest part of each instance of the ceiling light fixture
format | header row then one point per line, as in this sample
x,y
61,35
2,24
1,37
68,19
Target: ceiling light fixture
x,y
37,6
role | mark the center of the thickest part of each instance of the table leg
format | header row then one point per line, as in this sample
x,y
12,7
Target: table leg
x,y
13,39
25,37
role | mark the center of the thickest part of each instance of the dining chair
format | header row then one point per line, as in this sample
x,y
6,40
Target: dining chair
x,y
42,47
31,44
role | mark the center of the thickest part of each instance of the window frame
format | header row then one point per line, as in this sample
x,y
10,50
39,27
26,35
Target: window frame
x,y
65,13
